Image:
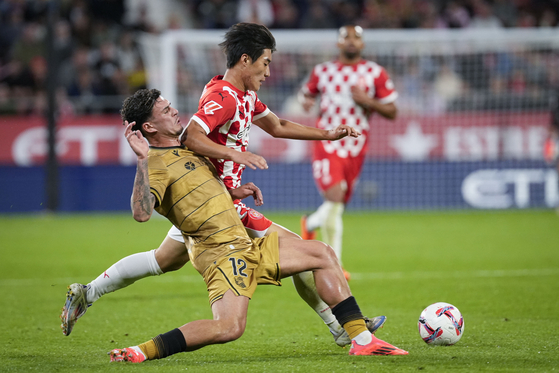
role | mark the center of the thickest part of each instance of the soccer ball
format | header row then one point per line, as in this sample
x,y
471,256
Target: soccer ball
x,y
441,324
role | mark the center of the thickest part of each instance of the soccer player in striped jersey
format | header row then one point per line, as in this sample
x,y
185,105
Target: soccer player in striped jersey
x,y
351,89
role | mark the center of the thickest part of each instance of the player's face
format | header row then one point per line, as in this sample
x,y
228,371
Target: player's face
x,y
257,71
165,118
350,42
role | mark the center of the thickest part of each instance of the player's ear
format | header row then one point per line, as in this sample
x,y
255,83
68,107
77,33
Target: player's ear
x,y
148,127
245,59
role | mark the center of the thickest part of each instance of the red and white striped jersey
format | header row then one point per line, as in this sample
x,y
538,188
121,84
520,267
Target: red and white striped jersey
x,y
333,81
226,114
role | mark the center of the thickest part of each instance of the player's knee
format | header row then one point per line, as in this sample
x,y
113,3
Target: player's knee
x,y
326,255
231,331
331,255
168,262
177,263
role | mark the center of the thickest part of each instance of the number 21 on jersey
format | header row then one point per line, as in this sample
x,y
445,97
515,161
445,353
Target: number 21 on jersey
x,y
321,170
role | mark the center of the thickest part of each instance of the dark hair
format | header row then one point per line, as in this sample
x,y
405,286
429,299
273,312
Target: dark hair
x,y
138,107
249,38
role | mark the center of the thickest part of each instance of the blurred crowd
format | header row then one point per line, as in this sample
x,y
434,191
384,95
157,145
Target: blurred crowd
x,y
98,60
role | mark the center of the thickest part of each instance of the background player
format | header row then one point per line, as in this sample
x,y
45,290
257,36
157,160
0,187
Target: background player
x,y
186,189
351,89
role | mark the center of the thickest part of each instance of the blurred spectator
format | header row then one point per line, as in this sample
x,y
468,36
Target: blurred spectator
x,y
11,25
456,15
127,52
216,13
84,92
448,85
30,44
142,22
255,11
317,16
345,12
109,11
484,17
81,23
286,14
506,11
548,18
107,68
526,19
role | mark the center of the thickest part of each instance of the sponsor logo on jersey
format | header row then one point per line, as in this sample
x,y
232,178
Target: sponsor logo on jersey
x,y
176,152
242,133
189,165
255,214
211,107
240,282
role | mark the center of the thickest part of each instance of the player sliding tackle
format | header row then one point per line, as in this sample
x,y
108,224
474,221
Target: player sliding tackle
x,y
185,188
220,130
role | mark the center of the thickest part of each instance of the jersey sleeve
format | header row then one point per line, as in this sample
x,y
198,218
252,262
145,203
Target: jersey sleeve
x,y
215,109
384,88
311,86
260,109
158,179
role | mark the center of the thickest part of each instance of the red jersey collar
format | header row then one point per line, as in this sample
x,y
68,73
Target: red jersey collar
x,y
360,62
219,79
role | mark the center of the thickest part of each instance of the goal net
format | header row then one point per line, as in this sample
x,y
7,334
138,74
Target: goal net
x,y
474,112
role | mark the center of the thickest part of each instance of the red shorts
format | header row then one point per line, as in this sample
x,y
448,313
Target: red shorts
x,y
329,170
255,223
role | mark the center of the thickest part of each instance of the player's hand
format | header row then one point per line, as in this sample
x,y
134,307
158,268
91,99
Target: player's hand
x,y
342,131
249,159
307,102
247,190
360,96
136,140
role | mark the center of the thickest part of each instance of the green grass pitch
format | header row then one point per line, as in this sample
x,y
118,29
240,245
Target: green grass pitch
x,y
501,269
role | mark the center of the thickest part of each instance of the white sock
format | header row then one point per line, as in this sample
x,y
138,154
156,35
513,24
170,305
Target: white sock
x,y
363,338
304,283
332,226
139,350
315,220
123,273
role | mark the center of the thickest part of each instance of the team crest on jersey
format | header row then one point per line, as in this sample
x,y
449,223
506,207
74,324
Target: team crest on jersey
x,y
255,214
240,282
211,107
189,166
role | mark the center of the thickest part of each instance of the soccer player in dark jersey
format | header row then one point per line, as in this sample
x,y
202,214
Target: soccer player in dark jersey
x,y
186,188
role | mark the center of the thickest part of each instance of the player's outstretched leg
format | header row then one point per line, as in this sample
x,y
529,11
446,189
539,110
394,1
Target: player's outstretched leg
x,y
375,347
74,308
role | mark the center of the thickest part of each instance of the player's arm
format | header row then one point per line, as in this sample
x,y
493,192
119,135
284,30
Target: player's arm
x,y
371,104
194,137
308,93
286,129
142,201
306,99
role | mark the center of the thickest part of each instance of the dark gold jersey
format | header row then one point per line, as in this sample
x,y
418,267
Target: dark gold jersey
x,y
189,193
